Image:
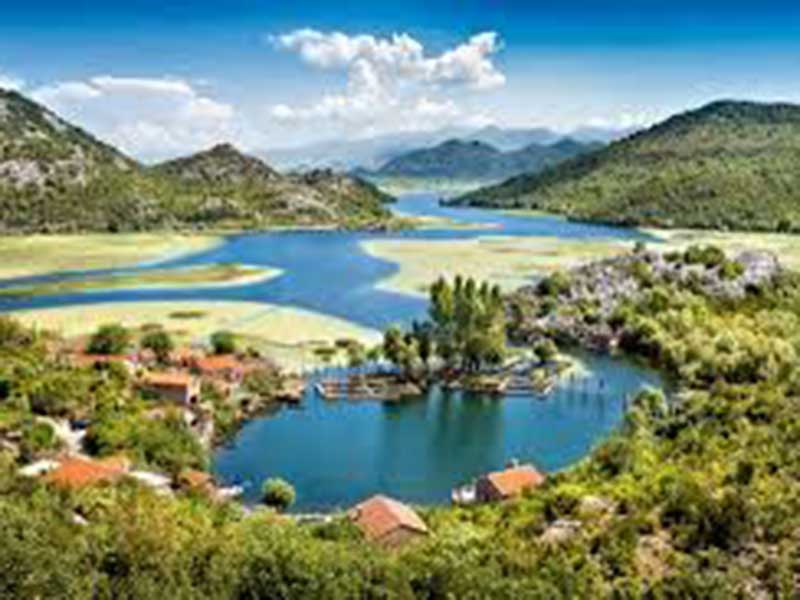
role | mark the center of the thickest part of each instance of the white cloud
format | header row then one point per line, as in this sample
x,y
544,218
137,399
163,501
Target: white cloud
x,y
399,57
9,82
150,118
391,83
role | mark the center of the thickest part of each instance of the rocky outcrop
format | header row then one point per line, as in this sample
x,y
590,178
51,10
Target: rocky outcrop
x,y
579,305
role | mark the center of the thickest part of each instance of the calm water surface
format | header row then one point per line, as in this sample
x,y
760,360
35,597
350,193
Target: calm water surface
x,y
337,453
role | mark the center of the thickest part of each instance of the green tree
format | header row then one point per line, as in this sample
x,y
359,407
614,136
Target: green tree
x,y
278,493
356,354
546,350
160,342
110,339
223,342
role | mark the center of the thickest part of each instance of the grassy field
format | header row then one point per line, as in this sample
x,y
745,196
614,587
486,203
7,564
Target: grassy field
x,y
512,262
786,246
288,335
396,186
203,276
39,254
438,222
507,261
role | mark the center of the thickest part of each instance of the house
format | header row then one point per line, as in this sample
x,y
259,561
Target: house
x,y
39,468
387,522
509,483
181,388
78,472
184,357
197,481
158,482
224,367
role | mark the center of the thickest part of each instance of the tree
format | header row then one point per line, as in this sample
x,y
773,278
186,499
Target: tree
x,y
546,350
423,333
109,339
223,342
356,354
278,493
37,437
401,349
160,342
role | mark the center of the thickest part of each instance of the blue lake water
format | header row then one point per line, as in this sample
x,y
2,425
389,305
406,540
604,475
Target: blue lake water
x,y
325,271
337,453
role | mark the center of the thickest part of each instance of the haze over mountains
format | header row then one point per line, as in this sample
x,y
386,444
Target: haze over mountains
x,y
56,177
476,160
727,165
373,153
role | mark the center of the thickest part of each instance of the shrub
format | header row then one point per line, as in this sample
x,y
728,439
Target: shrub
x,y
160,342
37,437
556,284
546,350
731,269
278,493
223,342
710,256
109,339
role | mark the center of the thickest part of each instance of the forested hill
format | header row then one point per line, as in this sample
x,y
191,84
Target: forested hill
x,y
727,165
474,160
56,177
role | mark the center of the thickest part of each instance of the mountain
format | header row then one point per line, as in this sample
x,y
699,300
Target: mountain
x,y
506,140
476,160
372,153
347,155
56,177
221,164
727,165
231,186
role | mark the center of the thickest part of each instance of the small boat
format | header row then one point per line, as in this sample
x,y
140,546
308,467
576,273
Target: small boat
x,y
464,495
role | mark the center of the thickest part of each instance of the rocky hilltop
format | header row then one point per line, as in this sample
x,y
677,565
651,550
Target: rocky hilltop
x,y
590,305
56,177
221,164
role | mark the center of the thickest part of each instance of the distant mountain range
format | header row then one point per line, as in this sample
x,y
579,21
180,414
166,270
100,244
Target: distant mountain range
x,y
56,177
373,153
477,160
727,165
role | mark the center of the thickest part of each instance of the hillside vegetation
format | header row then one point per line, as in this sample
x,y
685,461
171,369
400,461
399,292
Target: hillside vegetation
x,y
474,160
56,177
697,496
728,165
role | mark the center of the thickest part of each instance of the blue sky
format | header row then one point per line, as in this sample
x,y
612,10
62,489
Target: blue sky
x,y
162,78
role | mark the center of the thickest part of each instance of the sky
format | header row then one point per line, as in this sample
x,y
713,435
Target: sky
x,y
163,78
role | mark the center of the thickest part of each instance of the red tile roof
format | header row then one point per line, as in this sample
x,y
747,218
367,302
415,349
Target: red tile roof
x,y
196,479
81,472
183,354
380,515
174,380
513,481
221,362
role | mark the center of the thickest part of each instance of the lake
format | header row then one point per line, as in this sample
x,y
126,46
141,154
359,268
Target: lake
x,y
335,453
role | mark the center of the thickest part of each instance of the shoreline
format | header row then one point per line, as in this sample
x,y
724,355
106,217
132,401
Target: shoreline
x,y
181,280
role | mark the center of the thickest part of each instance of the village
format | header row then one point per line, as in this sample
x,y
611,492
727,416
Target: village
x,y
173,383
177,382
